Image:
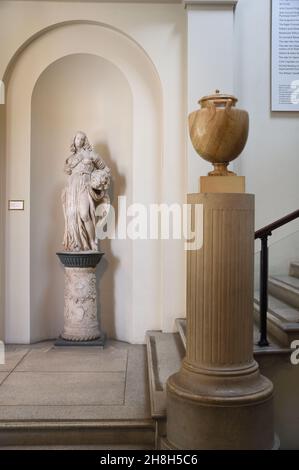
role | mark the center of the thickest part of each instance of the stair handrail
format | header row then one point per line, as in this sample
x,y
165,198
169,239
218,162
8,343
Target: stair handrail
x,y
268,229
263,235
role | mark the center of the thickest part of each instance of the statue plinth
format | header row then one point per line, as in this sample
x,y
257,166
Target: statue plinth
x,y
81,324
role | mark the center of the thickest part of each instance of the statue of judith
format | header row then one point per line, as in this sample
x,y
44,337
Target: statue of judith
x,y
86,190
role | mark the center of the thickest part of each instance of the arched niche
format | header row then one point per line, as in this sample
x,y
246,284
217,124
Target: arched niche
x,y
79,91
144,260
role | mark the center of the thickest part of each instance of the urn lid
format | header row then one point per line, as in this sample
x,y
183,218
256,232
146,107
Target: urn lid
x,y
218,99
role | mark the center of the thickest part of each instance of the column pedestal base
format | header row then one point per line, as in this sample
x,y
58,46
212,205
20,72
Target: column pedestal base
x,y
210,412
166,445
219,399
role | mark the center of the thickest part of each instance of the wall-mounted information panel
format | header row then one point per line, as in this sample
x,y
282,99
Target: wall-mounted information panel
x,y
285,55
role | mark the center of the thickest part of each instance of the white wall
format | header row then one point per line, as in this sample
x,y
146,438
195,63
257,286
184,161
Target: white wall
x,y
146,43
210,67
89,93
270,160
2,218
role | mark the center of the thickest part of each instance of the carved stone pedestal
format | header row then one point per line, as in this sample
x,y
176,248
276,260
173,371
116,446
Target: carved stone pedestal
x,y
81,325
219,400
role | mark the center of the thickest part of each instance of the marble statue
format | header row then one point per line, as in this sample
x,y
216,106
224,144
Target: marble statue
x,y
86,190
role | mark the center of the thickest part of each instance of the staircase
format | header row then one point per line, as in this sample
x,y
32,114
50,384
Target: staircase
x,y
165,352
283,306
82,435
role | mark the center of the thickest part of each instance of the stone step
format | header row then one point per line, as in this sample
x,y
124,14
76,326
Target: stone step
x,y
83,447
285,288
282,330
181,326
165,353
280,309
273,348
111,434
294,269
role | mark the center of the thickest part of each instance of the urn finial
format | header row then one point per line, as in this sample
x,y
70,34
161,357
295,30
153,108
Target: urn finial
x,y
219,131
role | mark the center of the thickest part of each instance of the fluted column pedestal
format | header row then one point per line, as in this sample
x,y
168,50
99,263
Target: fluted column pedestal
x,y
219,400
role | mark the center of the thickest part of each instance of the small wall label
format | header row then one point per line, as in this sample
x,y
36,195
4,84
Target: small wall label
x,y
14,205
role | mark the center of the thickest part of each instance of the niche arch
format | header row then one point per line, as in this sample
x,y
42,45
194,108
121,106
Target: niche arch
x,y
146,157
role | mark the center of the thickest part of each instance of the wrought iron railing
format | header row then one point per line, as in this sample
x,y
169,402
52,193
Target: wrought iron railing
x,y
263,234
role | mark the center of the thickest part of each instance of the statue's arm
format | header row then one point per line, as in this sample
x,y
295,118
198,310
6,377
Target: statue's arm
x,y
68,166
99,163
102,172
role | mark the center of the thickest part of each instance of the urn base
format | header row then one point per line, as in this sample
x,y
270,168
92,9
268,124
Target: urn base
x,y
220,169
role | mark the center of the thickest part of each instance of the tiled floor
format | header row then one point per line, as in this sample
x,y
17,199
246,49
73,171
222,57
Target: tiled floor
x,y
46,382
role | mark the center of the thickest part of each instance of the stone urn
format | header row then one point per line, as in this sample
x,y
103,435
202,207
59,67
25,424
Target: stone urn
x,y
219,131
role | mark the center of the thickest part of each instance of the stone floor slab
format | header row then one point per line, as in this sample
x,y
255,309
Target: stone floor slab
x,y
13,355
67,389
74,384
73,413
3,376
75,359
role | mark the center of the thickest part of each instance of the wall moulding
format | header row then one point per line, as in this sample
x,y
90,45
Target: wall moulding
x,y
105,1
211,2
219,3
42,32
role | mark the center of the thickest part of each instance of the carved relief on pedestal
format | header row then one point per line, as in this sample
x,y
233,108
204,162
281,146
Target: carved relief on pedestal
x,y
80,315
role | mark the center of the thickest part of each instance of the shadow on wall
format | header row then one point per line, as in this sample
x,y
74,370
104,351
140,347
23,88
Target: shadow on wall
x,y
51,260
108,266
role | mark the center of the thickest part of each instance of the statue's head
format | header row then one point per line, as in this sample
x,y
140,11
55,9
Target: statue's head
x,y
80,141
